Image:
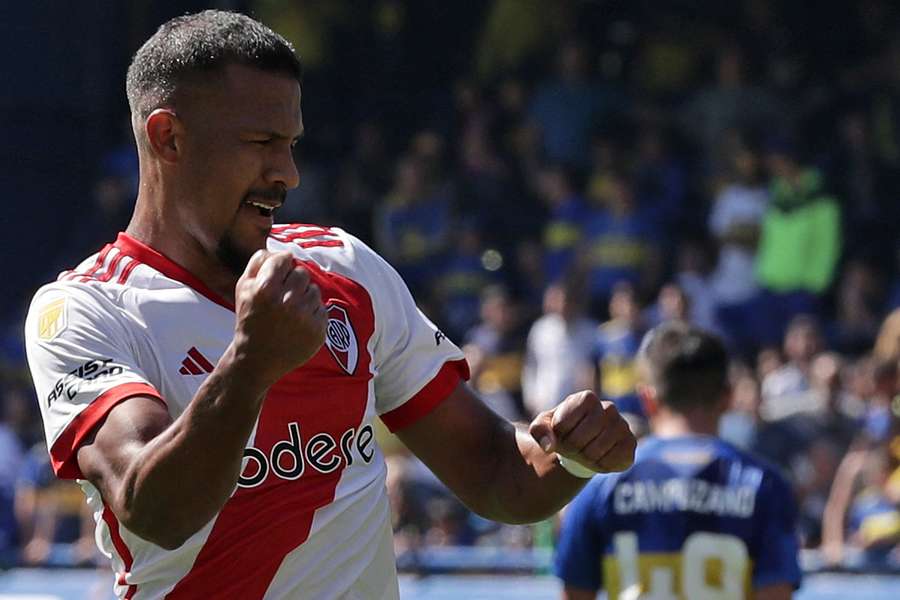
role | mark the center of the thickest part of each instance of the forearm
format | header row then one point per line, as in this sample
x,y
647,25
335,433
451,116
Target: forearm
x,y
839,499
182,477
528,484
499,471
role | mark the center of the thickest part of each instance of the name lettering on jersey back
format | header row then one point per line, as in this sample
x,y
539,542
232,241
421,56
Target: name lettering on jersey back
x,y
92,370
694,495
288,459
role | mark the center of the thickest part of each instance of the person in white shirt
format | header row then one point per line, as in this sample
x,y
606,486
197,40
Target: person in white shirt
x,y
559,349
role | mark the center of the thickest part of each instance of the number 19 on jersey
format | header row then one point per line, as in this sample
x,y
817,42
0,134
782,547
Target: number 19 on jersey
x,y
710,566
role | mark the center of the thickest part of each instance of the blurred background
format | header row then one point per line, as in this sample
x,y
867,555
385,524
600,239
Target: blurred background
x,y
551,179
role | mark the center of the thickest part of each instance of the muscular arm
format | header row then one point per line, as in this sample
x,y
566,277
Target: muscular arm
x,y
165,479
497,469
839,499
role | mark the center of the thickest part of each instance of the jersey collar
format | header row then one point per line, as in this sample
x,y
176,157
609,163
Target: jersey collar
x,y
152,258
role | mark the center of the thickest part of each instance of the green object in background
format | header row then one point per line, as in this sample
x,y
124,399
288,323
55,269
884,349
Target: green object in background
x,y
542,540
801,237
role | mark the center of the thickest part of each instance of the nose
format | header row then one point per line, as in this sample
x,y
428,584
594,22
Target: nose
x,y
283,169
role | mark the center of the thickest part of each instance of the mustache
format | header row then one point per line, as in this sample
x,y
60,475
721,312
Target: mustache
x,y
277,193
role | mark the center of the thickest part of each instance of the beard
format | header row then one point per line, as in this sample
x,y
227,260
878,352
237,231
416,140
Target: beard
x,y
230,251
232,255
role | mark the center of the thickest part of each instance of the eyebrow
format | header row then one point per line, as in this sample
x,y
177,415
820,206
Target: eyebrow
x,y
276,135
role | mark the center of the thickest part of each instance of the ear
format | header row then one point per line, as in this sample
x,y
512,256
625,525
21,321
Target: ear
x,y
649,400
163,129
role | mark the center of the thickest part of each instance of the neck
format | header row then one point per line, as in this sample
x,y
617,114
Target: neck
x,y
668,423
156,224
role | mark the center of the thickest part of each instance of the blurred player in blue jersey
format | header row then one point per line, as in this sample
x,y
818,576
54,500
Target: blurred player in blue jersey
x,y
694,518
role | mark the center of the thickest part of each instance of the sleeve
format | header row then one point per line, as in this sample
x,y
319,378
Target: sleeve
x,y
82,366
580,547
777,559
417,367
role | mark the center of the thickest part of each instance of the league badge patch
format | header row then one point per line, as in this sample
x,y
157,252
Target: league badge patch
x,y
52,319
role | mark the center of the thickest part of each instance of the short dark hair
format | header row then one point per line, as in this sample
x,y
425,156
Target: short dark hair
x,y
201,43
687,366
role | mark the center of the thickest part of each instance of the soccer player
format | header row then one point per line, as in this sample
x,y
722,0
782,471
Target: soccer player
x,y
211,380
694,518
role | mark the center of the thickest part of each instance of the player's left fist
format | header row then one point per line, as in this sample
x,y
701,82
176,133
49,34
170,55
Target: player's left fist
x,y
587,430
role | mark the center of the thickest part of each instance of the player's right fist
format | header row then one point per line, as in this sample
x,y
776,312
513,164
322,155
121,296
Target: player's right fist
x,y
280,318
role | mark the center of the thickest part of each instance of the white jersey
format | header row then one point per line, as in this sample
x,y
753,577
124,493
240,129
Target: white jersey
x,y
309,517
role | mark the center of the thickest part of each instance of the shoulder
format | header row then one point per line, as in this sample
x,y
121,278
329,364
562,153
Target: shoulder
x,y
56,301
769,474
329,247
339,256
298,237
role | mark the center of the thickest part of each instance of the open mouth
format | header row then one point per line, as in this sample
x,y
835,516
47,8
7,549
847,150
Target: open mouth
x,y
265,209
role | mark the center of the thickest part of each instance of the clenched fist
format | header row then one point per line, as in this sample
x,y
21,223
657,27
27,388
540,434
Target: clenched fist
x,y
587,430
280,318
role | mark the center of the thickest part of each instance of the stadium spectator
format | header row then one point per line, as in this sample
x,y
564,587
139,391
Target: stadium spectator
x,y
486,192
874,518
880,403
608,152
859,180
856,319
567,213
514,32
461,279
809,443
735,219
495,351
363,179
730,103
861,525
565,109
692,267
741,422
620,243
688,297
887,344
672,304
800,242
615,352
57,525
659,181
784,390
413,224
11,460
559,348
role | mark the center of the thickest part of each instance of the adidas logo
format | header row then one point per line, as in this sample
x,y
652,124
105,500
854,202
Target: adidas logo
x,y
195,363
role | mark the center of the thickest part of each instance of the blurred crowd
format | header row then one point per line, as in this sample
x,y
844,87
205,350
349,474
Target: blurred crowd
x,y
552,179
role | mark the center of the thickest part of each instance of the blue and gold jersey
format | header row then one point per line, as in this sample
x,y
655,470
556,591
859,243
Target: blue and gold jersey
x,y
693,518
615,356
